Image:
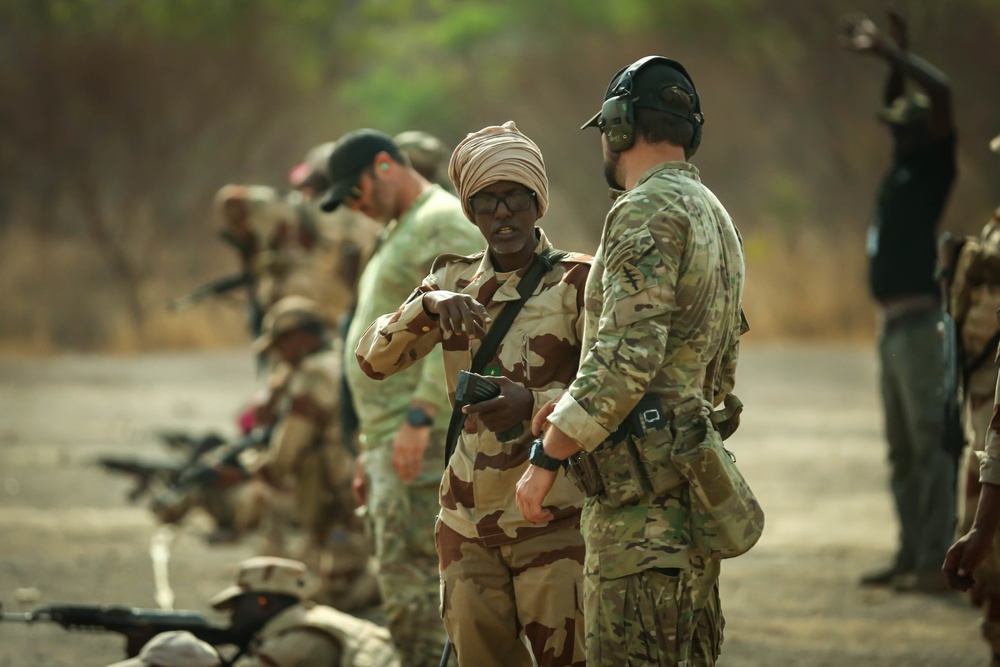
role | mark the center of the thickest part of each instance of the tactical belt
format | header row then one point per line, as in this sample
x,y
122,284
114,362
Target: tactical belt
x,y
647,415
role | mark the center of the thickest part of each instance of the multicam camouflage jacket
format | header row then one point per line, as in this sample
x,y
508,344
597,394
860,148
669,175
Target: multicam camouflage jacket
x,y
541,351
664,318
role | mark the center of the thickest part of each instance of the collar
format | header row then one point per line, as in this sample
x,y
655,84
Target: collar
x,y
685,169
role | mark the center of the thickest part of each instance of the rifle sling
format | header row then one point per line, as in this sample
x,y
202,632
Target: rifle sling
x,y
988,350
543,264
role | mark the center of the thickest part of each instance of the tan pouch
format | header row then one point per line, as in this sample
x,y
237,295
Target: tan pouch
x,y
726,519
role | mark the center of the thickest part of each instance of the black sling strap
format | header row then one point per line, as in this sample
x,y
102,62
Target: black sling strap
x,y
542,265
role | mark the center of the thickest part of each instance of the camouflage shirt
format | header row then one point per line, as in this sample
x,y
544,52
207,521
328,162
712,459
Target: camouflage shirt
x,y
541,351
308,422
434,224
307,635
663,317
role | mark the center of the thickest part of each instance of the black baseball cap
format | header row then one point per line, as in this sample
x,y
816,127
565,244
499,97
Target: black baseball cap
x,y
352,153
652,77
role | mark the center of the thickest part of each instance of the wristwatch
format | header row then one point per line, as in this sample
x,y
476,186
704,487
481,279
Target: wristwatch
x,y
538,457
418,417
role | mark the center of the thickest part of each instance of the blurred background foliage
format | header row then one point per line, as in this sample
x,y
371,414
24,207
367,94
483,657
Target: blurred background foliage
x,y
122,118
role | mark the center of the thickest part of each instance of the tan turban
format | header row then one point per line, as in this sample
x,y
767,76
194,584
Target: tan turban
x,y
498,153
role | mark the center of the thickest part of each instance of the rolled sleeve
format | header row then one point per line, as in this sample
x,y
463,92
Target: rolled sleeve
x,y
989,460
573,420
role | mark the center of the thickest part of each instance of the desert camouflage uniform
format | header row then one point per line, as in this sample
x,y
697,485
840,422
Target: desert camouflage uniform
x,y
536,578
306,452
663,318
298,250
317,636
403,514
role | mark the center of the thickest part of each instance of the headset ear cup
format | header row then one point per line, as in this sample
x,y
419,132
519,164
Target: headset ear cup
x,y
384,166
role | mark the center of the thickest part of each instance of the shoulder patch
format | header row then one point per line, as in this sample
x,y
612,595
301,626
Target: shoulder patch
x,y
448,257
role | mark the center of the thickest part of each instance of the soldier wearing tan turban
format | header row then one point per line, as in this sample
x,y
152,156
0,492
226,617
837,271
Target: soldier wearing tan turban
x,y
503,578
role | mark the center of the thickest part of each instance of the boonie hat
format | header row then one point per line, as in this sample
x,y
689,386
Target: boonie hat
x,y
264,574
646,86
912,109
426,152
288,314
352,153
176,648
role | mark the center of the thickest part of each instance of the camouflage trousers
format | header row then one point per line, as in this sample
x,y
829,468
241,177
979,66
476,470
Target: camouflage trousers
x,y
648,598
403,516
494,597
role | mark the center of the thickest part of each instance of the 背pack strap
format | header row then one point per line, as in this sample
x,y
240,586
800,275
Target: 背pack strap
x,y
543,263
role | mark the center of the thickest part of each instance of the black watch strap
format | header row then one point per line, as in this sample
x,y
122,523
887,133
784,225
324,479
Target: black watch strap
x,y
538,457
418,417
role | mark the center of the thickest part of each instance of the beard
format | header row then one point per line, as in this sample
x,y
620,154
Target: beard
x,y
611,170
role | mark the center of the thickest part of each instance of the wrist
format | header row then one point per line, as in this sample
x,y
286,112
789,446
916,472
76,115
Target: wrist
x,y
538,457
419,418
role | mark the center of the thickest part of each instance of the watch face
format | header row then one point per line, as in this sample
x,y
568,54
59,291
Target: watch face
x,y
417,417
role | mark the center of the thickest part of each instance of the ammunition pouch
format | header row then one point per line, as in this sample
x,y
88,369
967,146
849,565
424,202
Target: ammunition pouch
x,y
633,462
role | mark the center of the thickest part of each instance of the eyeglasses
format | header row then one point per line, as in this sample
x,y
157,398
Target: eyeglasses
x,y
485,203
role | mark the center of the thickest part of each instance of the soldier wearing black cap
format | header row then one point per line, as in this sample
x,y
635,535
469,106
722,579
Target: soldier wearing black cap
x,y
663,322
902,248
404,418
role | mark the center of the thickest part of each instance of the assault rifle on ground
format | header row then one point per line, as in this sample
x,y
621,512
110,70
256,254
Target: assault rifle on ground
x,y
137,625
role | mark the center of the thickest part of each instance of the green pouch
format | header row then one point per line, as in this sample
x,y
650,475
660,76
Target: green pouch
x,y
726,519
621,475
653,451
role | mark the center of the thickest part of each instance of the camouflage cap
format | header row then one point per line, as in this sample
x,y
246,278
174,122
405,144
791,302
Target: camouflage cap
x,y
288,314
912,109
264,574
175,648
312,171
426,152
995,144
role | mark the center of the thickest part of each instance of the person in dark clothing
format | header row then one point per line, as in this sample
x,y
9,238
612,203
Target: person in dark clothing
x,y
902,249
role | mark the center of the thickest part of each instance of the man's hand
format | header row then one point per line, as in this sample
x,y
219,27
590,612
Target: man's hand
x,y
964,557
457,313
359,483
898,29
512,407
858,33
532,488
541,418
408,450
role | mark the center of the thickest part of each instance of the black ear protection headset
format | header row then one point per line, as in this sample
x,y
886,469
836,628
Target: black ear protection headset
x,y
618,111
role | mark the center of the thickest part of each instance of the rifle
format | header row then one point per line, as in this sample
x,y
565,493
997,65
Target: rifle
x,y
144,471
211,288
137,625
953,434
204,472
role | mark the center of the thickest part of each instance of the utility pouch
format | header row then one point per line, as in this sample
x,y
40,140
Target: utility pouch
x,y
726,520
582,471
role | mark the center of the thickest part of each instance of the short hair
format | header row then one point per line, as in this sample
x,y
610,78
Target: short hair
x,y
656,126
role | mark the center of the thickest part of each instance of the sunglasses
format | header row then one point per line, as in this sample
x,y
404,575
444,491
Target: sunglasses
x,y
485,203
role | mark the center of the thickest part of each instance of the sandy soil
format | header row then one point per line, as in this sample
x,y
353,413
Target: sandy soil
x,y
810,445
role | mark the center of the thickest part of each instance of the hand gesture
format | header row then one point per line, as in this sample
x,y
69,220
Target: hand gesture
x,y
457,313
857,33
512,407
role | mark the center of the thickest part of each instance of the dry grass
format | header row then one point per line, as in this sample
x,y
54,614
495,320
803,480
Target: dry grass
x,y
58,296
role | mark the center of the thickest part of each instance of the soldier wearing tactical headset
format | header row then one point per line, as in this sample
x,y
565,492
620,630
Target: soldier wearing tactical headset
x,y
662,334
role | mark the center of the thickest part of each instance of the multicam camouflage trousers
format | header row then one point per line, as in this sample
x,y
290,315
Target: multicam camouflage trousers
x,y
647,599
492,596
403,516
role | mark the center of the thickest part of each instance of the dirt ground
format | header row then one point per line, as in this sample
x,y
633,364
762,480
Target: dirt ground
x,y
810,445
